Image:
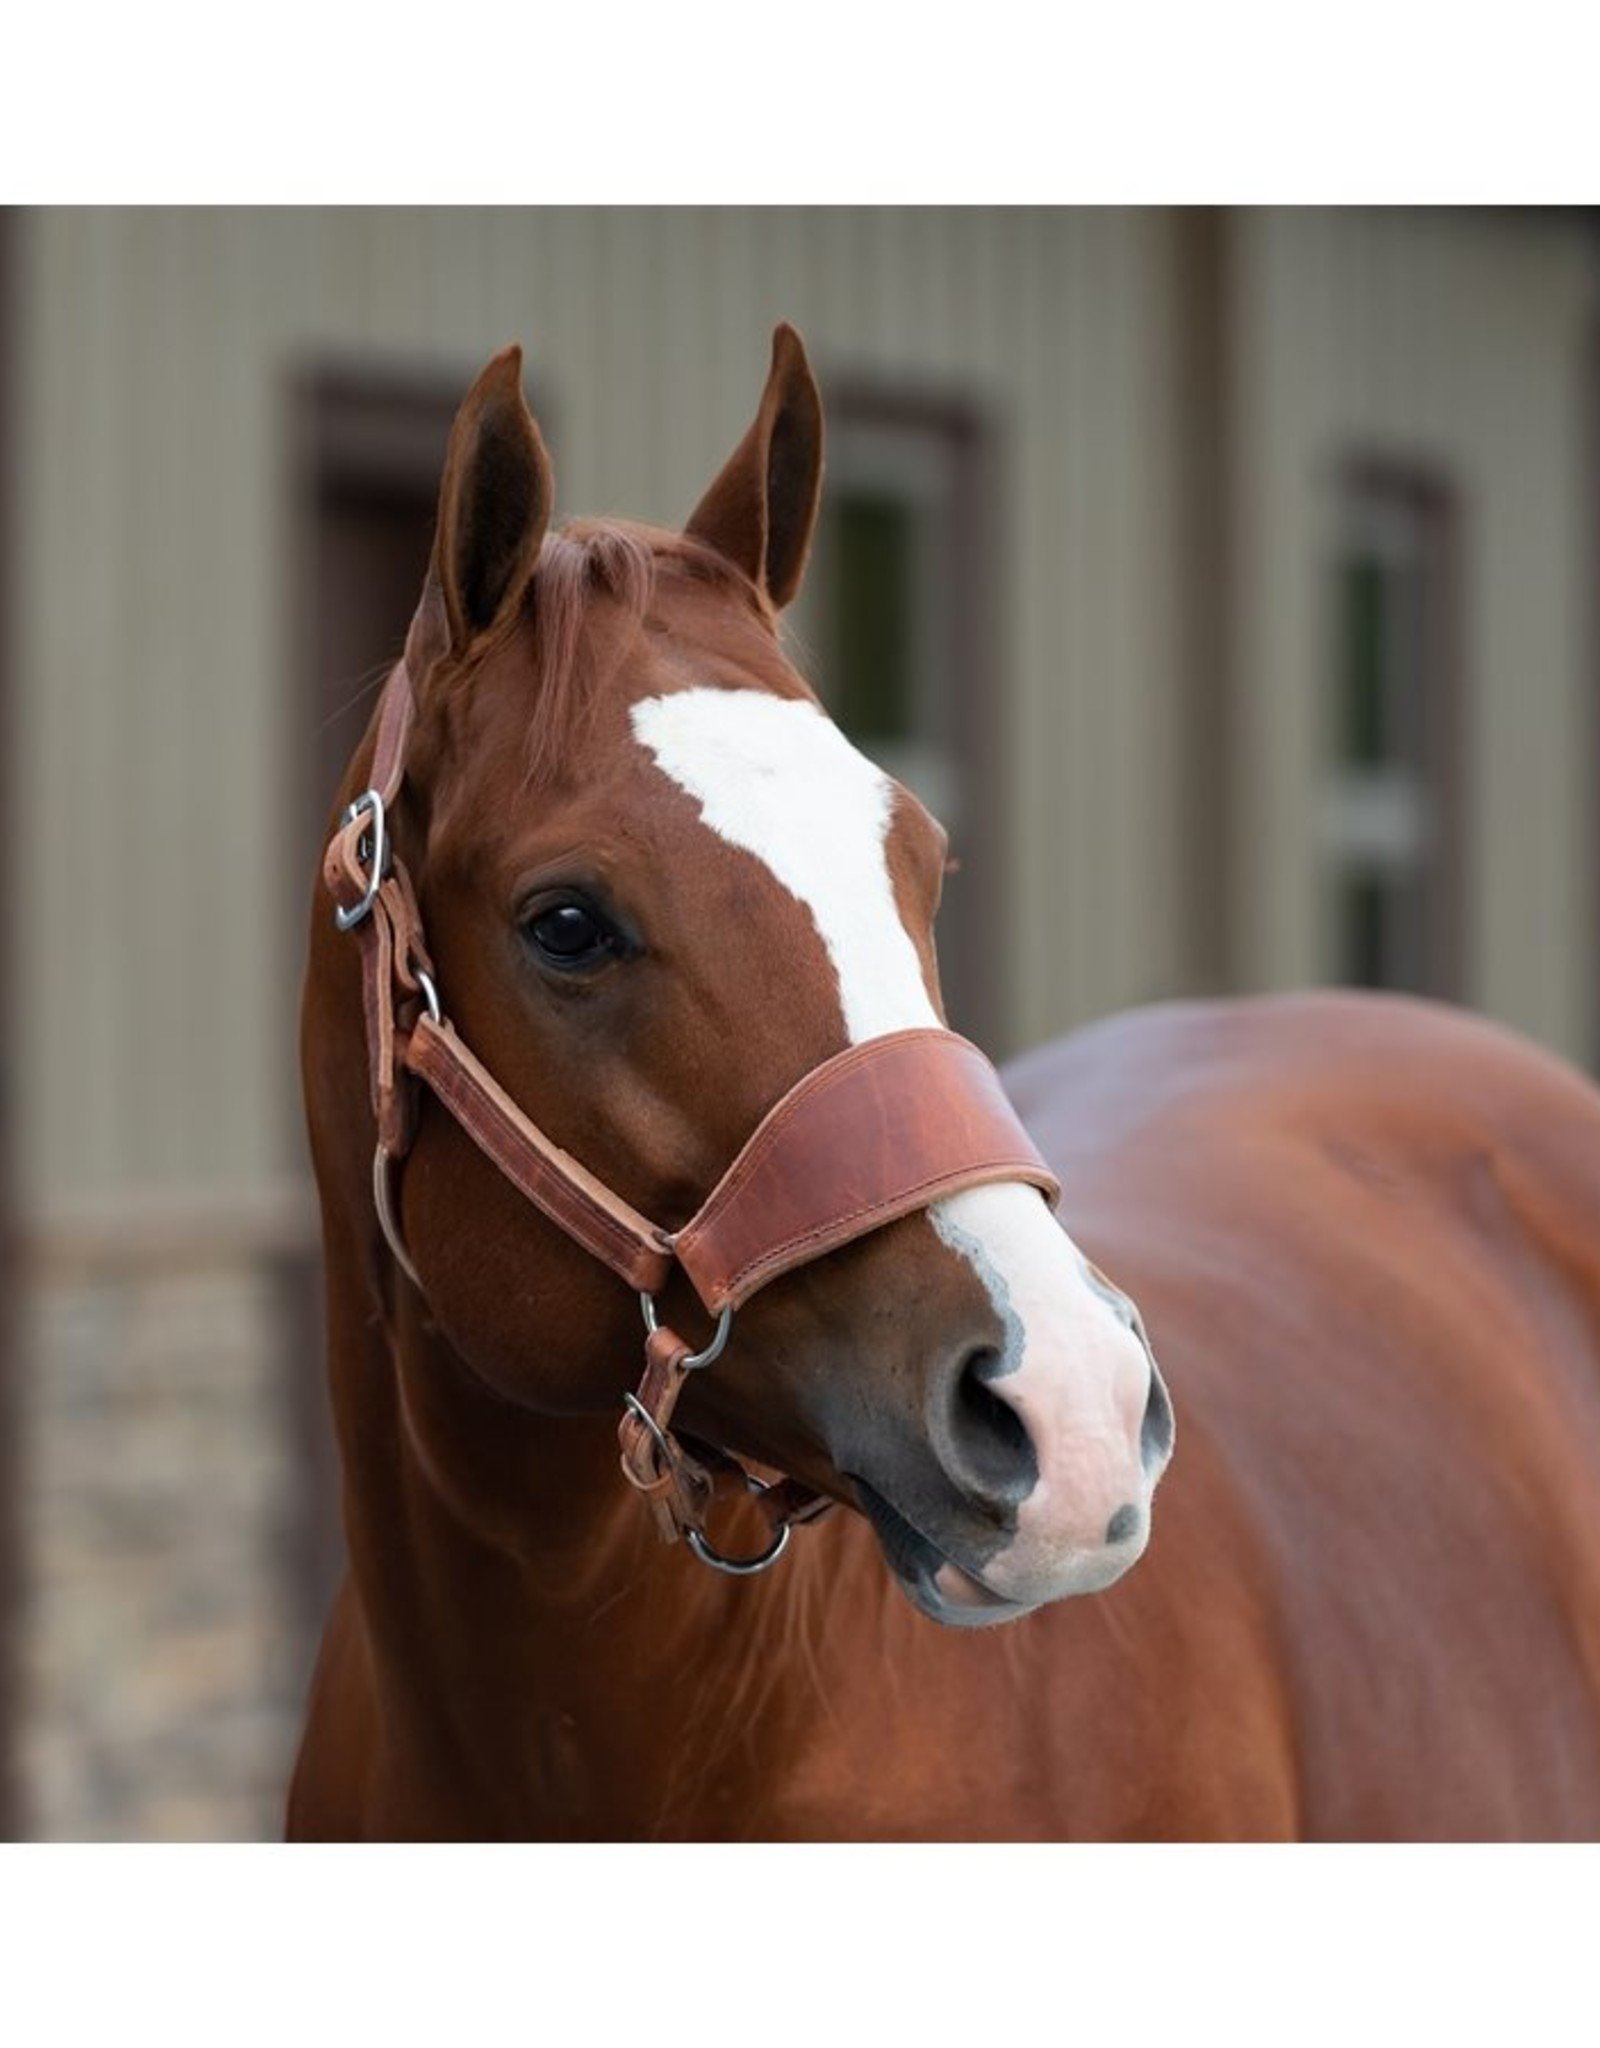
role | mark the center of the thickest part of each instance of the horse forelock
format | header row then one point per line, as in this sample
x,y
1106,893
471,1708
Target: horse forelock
x,y
583,565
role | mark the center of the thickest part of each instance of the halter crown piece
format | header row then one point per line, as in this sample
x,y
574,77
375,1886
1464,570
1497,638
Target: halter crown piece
x,y
881,1130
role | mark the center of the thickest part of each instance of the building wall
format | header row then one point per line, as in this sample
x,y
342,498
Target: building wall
x,y
160,935
1465,342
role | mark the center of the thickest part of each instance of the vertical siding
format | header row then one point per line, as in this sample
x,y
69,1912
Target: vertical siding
x,y
160,926
1464,342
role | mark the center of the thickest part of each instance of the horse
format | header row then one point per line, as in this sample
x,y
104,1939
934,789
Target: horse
x,y
622,966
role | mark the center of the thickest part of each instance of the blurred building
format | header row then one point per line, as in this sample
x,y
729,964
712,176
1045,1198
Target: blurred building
x,y
1225,581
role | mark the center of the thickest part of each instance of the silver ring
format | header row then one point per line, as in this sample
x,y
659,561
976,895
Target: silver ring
x,y
738,1567
637,1407
696,1359
430,994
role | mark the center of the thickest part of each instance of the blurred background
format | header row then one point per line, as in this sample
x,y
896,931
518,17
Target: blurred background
x,y
1225,580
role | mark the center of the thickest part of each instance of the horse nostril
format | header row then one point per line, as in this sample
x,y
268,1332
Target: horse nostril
x,y
1155,1432
992,1451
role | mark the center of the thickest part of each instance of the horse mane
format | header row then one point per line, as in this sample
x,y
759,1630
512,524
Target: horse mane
x,y
619,565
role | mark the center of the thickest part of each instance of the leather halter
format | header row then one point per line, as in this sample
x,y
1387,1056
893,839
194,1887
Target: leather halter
x,y
885,1128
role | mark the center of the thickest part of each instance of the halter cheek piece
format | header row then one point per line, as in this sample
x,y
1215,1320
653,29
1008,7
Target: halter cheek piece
x,y
881,1130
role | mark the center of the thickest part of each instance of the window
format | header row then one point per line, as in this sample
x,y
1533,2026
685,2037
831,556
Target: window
x,y
1388,820
891,628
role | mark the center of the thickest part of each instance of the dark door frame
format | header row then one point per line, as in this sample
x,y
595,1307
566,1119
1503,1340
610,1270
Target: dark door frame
x,y
1431,497
1203,511
11,1475
357,428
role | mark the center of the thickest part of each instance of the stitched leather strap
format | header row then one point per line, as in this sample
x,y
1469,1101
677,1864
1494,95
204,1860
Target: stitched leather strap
x,y
556,1183
878,1131
394,729
389,934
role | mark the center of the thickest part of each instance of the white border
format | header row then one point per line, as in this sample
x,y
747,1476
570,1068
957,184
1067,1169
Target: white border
x,y
1297,1948
1375,100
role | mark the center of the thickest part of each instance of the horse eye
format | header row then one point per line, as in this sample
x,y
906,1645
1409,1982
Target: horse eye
x,y
570,934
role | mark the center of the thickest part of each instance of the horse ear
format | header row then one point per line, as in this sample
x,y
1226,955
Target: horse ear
x,y
761,510
494,506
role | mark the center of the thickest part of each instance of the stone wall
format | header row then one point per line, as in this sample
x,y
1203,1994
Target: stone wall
x,y
163,1669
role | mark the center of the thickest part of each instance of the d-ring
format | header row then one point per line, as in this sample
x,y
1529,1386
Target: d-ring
x,y
712,1351
738,1567
369,803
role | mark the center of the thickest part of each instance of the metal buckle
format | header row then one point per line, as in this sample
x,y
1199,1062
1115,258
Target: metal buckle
x,y
373,847
712,1351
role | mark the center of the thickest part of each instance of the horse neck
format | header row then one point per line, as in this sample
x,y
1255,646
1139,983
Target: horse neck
x,y
510,1586
485,1485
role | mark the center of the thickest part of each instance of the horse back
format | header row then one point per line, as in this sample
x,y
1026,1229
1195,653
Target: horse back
x,y
1360,1232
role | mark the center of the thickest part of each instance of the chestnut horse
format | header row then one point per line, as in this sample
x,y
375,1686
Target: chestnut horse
x,y
659,889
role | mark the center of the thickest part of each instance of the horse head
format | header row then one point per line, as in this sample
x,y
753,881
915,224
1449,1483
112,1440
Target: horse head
x,y
660,888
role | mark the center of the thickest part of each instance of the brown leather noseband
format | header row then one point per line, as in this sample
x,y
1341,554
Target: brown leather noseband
x,y
881,1130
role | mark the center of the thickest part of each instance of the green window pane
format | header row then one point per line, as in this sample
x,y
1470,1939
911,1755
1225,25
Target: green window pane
x,y
873,617
1366,726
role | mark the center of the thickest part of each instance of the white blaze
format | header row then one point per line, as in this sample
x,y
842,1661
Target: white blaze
x,y
776,777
